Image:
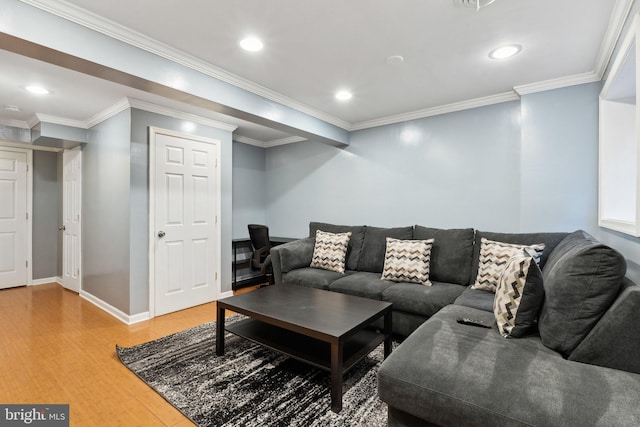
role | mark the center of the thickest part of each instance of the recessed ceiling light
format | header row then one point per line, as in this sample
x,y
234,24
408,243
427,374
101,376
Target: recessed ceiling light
x,y
394,59
503,52
14,108
251,44
344,95
188,126
476,4
38,90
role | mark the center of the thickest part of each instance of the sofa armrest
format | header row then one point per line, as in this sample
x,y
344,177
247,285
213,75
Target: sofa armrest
x,y
290,256
614,342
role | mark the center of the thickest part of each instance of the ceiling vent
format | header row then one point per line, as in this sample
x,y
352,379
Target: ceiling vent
x,y
476,4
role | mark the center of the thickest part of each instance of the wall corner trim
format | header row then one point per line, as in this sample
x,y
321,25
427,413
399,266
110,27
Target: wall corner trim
x,y
118,314
46,281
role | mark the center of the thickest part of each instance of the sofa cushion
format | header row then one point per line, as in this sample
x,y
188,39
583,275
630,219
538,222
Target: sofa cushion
x,y
494,257
355,243
474,298
374,246
296,254
451,253
617,329
313,277
581,280
458,375
361,284
407,261
419,299
550,241
519,296
330,251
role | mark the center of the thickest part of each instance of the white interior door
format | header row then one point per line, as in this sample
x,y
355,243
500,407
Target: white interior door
x,y
185,232
13,219
71,206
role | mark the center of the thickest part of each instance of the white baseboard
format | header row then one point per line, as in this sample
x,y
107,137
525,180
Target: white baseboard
x,y
46,280
226,294
140,317
118,314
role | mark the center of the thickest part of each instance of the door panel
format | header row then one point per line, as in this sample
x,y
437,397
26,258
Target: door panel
x,y
184,225
13,219
71,204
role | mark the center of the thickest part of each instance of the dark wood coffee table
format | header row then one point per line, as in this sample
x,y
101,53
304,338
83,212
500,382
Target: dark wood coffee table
x,y
321,328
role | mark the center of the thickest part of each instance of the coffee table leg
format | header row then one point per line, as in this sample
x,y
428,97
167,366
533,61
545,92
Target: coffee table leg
x,y
387,331
220,332
336,376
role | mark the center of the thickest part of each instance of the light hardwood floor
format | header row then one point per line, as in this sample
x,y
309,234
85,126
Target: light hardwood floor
x,y
55,347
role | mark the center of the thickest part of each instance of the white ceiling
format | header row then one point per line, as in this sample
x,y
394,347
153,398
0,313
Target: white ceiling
x,y
315,47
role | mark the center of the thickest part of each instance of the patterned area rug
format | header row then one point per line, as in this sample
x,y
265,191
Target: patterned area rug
x,y
250,385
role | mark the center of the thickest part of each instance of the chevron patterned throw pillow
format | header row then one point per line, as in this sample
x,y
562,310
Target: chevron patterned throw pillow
x,y
494,257
519,296
330,251
407,261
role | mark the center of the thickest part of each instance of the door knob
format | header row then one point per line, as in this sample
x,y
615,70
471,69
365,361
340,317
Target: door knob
x,y
161,234
62,228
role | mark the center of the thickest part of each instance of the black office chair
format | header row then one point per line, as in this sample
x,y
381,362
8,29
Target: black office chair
x,y
261,259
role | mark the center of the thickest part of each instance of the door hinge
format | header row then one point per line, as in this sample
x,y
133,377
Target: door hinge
x,y
216,276
26,215
27,168
26,264
216,219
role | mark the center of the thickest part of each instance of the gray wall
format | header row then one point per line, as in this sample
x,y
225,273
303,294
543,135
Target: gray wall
x,y
116,207
518,167
249,198
106,208
452,170
559,163
46,215
139,208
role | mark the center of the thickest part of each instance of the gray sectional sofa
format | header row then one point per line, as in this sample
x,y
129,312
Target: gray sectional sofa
x,y
581,368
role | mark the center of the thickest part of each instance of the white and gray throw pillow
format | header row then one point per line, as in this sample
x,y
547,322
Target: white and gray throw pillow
x,y
407,261
330,251
494,257
519,296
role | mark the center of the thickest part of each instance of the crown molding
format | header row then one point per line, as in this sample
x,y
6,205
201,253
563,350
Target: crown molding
x,y
15,123
108,112
435,111
61,121
268,144
166,111
618,18
33,120
119,32
125,103
249,141
558,83
284,141
118,107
